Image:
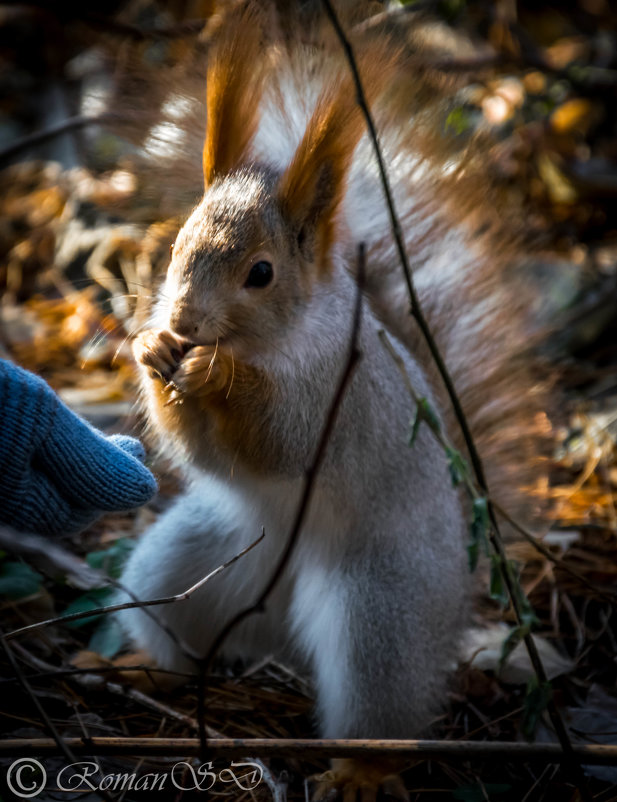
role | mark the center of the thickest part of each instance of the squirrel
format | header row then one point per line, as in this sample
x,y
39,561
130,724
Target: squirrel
x,y
248,338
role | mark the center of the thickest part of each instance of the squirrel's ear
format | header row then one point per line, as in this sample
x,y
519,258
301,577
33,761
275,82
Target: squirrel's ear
x,y
313,185
234,86
312,215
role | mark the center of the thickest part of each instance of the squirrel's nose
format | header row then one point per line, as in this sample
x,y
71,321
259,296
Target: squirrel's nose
x,y
184,322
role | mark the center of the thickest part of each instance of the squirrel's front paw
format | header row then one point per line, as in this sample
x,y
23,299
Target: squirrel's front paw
x,y
360,781
159,350
206,370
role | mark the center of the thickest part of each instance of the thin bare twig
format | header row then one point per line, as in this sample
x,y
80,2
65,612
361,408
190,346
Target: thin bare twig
x,y
92,679
70,124
112,608
87,739
46,721
60,743
278,788
309,481
572,765
608,596
51,558
412,750
145,700
51,672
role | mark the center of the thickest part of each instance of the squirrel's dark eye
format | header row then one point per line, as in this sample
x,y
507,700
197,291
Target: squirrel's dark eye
x,y
260,275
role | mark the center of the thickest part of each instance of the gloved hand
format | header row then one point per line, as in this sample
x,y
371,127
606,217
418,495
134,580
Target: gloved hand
x,y
58,473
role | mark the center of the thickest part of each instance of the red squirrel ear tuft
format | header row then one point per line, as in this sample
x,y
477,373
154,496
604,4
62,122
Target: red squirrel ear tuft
x,y
234,86
313,185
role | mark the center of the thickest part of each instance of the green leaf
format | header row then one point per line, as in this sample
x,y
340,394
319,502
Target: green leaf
x,y
92,600
458,121
497,588
529,618
528,614
472,556
415,426
478,531
537,699
108,638
457,465
111,560
511,642
480,522
18,580
426,413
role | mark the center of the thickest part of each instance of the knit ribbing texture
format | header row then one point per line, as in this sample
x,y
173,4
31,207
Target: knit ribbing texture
x,y
57,472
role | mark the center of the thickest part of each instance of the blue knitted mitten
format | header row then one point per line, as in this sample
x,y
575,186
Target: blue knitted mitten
x,y
58,473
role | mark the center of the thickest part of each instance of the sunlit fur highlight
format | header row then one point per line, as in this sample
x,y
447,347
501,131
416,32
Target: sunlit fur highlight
x,y
314,183
234,83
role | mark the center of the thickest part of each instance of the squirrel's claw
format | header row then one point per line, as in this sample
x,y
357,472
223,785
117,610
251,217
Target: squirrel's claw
x,y
205,371
159,350
352,781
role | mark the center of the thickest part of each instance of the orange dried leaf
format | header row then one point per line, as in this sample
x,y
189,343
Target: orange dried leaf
x,y
567,50
534,82
573,116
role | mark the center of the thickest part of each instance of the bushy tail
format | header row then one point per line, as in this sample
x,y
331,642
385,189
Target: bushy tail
x,y
463,240
465,245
